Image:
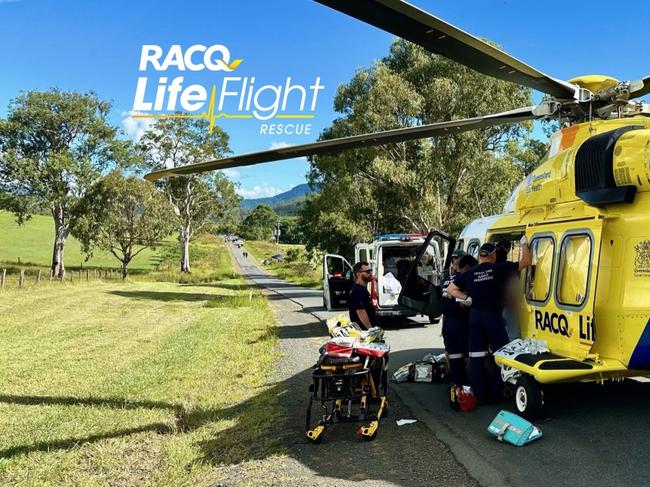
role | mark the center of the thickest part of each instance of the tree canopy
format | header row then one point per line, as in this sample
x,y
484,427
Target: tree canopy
x,y
53,146
420,184
259,224
124,216
174,142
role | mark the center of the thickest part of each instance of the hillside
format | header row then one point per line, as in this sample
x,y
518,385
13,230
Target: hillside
x,y
285,203
31,244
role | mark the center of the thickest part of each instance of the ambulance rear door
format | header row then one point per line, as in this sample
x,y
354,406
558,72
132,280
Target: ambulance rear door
x,y
422,291
337,281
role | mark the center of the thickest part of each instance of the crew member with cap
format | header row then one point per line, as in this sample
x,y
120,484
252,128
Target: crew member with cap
x,y
453,267
455,325
483,288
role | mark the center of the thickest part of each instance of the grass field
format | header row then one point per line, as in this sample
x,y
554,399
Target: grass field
x,y
296,272
135,383
30,245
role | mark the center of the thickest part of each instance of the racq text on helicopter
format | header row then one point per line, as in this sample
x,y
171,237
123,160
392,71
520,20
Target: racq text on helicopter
x,y
585,210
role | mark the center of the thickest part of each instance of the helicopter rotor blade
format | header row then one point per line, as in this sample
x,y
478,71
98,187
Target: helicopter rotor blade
x,y
352,142
639,88
437,36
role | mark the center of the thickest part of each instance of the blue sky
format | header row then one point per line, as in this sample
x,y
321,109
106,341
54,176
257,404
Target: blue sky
x,y
82,45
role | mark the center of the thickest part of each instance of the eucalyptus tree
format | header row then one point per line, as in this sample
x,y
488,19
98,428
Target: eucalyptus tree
x,y
195,199
53,146
123,216
415,185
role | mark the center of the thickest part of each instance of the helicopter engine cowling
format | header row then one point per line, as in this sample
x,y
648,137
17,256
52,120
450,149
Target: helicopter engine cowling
x,y
611,167
631,164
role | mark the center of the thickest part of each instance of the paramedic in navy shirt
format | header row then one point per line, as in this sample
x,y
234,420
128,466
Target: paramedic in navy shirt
x,y
455,324
360,306
485,286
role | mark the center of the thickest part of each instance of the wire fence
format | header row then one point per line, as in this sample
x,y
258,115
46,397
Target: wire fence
x,y
31,277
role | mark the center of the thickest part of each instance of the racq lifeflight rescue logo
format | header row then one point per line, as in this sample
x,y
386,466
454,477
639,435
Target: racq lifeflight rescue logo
x,y
231,97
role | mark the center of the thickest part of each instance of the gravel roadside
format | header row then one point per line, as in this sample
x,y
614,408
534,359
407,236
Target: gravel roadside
x,y
409,455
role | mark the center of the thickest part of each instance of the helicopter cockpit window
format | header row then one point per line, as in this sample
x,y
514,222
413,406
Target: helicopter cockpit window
x,y
538,275
573,275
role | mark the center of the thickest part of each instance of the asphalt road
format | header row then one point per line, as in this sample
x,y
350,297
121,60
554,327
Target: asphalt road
x,y
593,434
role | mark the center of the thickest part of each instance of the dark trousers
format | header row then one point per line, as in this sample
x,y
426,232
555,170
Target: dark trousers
x,y
455,333
487,331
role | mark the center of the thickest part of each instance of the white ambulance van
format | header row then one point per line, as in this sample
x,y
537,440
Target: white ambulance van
x,y
391,257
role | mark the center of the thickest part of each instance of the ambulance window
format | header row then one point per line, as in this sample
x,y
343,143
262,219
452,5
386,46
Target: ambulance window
x,y
573,275
363,255
538,275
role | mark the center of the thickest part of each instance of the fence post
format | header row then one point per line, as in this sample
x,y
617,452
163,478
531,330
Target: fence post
x,y
21,279
87,275
51,274
38,277
2,279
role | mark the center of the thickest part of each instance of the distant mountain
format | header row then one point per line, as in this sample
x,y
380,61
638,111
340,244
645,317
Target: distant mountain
x,y
284,203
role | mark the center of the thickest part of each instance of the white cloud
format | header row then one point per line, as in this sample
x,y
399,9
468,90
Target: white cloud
x,y
231,173
278,145
135,127
264,191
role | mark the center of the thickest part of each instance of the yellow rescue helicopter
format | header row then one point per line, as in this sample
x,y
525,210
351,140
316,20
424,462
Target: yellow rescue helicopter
x,y
585,210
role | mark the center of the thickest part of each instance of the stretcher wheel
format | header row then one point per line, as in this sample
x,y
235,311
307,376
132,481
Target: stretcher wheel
x,y
308,423
529,397
370,437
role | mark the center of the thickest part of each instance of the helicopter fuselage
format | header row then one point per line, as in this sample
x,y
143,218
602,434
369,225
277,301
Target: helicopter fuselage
x,y
586,213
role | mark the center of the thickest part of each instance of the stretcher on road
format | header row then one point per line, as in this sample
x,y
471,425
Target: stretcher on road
x,y
349,381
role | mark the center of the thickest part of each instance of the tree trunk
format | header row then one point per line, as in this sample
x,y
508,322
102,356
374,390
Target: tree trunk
x,y
185,249
60,234
125,270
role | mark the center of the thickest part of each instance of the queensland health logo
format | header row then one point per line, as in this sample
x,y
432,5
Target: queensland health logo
x,y
282,108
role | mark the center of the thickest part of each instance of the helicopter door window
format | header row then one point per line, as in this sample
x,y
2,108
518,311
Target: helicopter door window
x,y
538,275
573,274
472,248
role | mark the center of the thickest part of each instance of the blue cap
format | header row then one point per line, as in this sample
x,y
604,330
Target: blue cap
x,y
487,249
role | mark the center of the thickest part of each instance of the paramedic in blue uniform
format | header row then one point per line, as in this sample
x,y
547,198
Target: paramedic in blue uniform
x,y
455,324
458,253
360,306
485,286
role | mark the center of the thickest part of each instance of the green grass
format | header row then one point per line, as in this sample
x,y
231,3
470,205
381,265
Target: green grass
x,y
30,245
137,382
300,273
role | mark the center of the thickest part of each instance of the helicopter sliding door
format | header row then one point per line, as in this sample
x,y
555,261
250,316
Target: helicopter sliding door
x,y
560,286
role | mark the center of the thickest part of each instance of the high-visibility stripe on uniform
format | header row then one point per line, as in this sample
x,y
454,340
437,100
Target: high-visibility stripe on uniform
x,y
478,354
452,356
